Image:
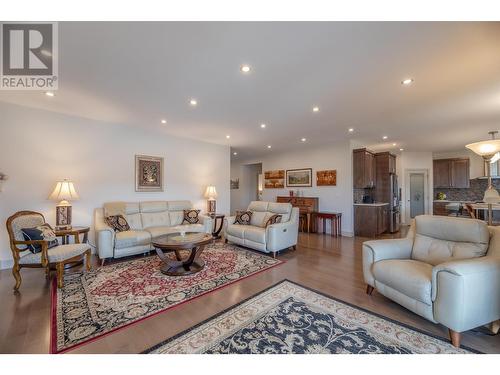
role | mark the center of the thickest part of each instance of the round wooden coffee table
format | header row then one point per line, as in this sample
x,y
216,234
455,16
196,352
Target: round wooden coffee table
x,y
175,242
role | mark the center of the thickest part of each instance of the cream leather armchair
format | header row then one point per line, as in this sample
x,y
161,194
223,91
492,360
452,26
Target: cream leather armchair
x,y
446,270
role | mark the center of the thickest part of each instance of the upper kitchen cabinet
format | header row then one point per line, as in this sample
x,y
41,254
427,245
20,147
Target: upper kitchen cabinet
x,y
451,173
363,168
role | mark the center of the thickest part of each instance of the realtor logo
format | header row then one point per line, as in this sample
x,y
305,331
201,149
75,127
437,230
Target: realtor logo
x,y
29,56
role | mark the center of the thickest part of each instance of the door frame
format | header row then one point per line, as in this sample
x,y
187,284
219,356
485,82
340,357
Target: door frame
x,y
406,204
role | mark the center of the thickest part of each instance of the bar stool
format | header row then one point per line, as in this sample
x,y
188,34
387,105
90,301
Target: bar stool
x,y
335,222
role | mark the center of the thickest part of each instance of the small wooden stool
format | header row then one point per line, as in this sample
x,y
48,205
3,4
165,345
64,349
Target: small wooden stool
x,y
335,221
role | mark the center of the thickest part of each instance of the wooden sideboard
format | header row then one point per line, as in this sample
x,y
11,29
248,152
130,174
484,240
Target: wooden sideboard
x,y
306,205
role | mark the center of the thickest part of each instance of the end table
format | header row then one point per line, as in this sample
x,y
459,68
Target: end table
x,y
217,229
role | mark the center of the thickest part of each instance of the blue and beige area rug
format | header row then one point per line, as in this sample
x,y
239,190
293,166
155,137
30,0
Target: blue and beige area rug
x,y
96,303
290,318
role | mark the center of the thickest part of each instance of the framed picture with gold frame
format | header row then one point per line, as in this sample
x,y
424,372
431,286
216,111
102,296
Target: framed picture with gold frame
x,y
274,179
148,173
299,177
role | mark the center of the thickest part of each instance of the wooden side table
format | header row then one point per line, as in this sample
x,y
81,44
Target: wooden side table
x,y
217,229
75,232
335,221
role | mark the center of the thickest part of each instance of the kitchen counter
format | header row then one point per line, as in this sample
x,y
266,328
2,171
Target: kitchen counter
x,y
371,204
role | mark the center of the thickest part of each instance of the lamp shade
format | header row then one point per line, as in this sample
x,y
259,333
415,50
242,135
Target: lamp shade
x,y
485,148
491,196
64,191
211,193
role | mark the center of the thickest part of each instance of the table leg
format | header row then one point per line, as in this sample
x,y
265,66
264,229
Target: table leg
x,y
324,225
333,223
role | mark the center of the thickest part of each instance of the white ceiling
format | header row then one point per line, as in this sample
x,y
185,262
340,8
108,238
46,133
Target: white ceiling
x,y
138,73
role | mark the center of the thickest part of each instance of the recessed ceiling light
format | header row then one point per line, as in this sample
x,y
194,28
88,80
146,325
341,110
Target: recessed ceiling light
x,y
384,137
303,139
315,109
407,81
50,93
263,126
268,146
245,68
351,130
401,149
235,153
394,144
163,121
193,102
228,136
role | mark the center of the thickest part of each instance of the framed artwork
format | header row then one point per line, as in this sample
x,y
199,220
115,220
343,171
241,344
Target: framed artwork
x,y
148,173
235,183
326,178
274,179
299,177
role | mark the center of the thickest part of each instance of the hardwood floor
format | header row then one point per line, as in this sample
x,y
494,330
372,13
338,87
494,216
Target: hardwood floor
x,y
330,265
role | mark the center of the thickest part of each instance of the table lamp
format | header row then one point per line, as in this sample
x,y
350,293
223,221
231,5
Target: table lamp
x,y
211,194
488,150
63,192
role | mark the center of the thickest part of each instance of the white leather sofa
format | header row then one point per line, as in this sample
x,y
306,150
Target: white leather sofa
x,y
446,270
256,236
147,221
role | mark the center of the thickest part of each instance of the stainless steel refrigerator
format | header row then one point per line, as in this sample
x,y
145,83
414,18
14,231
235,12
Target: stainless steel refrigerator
x,y
395,204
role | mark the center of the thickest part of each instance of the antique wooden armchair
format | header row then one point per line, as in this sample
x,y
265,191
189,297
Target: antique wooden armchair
x,y
57,256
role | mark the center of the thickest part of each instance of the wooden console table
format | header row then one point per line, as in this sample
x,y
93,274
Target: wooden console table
x,y
306,205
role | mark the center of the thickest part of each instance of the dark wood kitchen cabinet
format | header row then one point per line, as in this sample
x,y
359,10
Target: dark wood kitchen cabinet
x,y
363,169
451,173
370,220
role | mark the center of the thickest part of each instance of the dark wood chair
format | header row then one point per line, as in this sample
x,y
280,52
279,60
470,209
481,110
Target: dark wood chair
x,y
55,257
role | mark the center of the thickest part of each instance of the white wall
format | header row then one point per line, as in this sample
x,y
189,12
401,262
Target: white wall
x,y
410,161
331,198
247,192
476,161
37,148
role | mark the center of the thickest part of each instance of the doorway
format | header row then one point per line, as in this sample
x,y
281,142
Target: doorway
x,y
416,194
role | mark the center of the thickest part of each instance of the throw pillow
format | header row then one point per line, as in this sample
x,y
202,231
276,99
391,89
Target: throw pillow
x,y
191,217
117,222
42,232
275,219
243,217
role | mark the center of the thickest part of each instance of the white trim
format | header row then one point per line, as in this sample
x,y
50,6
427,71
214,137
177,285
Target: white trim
x,y
407,173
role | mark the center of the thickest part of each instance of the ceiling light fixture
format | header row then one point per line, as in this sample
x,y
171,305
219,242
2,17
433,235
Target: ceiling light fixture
x,y
407,81
228,136
263,126
401,149
315,109
351,130
268,146
303,139
394,144
245,68
50,93
163,121
384,137
193,102
235,153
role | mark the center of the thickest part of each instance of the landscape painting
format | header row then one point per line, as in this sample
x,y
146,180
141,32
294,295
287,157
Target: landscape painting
x,y
299,177
274,179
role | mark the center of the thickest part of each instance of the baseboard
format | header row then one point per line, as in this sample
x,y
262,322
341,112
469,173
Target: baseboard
x,y
347,234
6,264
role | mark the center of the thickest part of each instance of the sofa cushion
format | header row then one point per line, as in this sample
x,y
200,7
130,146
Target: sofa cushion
x,y
284,209
441,239
255,234
56,254
410,277
132,238
192,227
176,217
153,206
179,205
159,231
260,206
117,222
134,221
259,218
155,219
115,208
191,217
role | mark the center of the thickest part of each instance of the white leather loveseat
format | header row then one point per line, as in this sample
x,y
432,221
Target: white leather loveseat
x,y
256,236
147,221
446,270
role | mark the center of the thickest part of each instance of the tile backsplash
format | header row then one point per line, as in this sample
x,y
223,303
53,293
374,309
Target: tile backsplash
x,y
474,193
359,193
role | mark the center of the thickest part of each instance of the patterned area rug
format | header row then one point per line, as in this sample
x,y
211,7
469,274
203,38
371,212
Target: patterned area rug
x,y
96,303
289,318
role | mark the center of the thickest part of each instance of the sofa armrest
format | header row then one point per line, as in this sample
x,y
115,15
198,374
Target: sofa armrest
x,y
281,235
466,293
104,235
228,220
376,250
208,222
